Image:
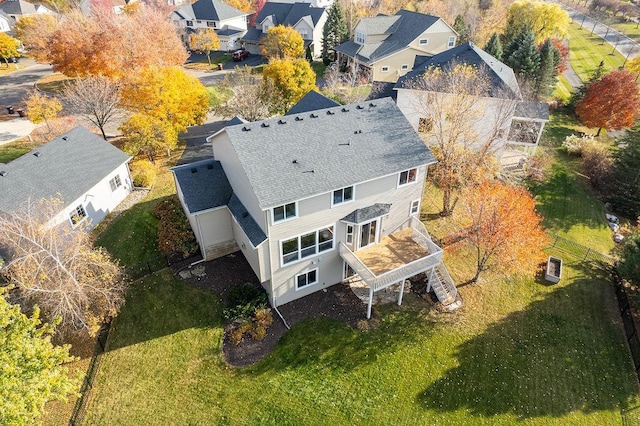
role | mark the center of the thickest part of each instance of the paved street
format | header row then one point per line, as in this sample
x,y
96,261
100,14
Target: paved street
x,y
14,86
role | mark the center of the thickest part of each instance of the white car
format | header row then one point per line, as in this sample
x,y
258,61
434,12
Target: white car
x,y
612,218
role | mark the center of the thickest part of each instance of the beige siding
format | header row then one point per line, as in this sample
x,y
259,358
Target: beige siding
x,y
258,257
316,213
214,232
224,152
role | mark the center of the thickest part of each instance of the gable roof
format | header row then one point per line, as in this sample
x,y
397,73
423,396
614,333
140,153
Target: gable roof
x,y
402,28
289,13
311,102
501,76
298,156
209,10
366,214
204,186
10,21
18,7
64,168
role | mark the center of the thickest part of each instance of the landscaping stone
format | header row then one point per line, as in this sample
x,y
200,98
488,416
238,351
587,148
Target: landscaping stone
x,y
185,274
199,271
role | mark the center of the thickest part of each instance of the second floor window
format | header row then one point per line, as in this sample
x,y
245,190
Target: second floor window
x,y
408,176
359,37
288,211
211,24
452,41
304,34
189,23
343,195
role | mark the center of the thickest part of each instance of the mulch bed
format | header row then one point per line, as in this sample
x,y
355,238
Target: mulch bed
x,y
337,302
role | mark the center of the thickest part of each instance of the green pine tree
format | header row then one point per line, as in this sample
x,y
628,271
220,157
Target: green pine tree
x,y
464,34
624,189
522,55
334,31
546,75
494,47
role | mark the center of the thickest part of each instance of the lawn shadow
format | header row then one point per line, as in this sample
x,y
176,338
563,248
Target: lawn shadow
x,y
561,354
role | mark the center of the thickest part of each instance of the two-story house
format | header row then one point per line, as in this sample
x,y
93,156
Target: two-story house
x,y
17,9
385,47
303,17
229,23
317,197
88,174
502,118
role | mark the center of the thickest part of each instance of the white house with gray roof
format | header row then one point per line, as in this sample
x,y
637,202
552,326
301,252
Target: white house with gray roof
x,y
88,174
317,197
229,23
303,17
513,126
385,47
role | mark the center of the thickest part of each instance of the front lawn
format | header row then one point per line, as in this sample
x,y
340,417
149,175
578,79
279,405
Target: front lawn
x,y
12,150
586,52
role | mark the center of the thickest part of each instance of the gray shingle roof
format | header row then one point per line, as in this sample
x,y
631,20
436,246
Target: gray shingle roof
x,y
289,13
382,89
209,10
246,222
297,156
533,110
229,31
403,28
500,75
204,189
311,102
236,120
205,186
65,168
17,7
366,214
253,34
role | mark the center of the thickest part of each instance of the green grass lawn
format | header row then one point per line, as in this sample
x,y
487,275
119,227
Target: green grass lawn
x,y
586,52
563,90
520,351
13,150
630,29
203,64
218,95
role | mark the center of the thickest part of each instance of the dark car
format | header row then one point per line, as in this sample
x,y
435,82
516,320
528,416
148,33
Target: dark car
x,y
239,55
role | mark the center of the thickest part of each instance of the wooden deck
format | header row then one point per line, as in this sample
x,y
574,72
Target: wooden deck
x,y
392,252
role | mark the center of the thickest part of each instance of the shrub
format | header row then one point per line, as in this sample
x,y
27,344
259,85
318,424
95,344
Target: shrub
x,y
175,236
143,173
575,144
597,163
263,317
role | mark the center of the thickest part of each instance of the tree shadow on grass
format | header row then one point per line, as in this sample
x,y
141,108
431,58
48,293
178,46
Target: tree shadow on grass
x,y
559,355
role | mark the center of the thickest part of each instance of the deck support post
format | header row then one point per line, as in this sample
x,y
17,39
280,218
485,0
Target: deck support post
x,y
370,302
401,293
430,278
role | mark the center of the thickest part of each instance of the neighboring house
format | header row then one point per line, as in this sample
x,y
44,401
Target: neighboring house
x,y
6,23
385,47
514,125
88,174
228,22
311,102
315,3
117,6
16,9
303,17
314,198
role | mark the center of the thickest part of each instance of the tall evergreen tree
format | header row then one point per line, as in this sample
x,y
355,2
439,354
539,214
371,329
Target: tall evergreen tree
x,y
494,47
334,31
624,191
522,55
464,34
546,76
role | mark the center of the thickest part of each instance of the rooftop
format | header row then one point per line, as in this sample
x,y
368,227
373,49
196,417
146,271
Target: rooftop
x,y
289,13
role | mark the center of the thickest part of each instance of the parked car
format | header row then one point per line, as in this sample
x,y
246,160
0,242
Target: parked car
x,y
240,54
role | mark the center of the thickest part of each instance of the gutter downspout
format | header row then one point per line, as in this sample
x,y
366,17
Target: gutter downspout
x,y
273,293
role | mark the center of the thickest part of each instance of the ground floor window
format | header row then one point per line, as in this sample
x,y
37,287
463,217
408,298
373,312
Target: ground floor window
x,y
115,182
77,214
308,278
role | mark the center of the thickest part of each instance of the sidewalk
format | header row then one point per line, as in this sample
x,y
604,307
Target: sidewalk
x,y
15,128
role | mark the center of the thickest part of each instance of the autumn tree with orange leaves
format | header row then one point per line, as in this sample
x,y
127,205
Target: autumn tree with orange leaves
x,y
611,102
503,228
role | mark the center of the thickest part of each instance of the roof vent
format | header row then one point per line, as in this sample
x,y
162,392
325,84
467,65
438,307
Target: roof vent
x,y
294,162
330,112
347,143
265,125
314,115
246,129
360,107
299,118
309,171
359,131
37,153
355,132
194,170
345,110
282,121
372,105
3,173
65,138
210,166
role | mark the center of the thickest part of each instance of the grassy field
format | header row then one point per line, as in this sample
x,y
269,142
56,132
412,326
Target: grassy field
x,y
12,150
218,95
630,29
203,63
54,83
563,90
586,52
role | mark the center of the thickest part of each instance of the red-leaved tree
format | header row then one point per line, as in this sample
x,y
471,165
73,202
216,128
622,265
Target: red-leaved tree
x,y
503,228
611,102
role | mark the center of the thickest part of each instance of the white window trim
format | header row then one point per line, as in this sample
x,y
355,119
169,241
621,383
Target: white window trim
x,y
308,284
321,253
425,40
82,219
452,41
347,234
399,185
376,237
384,68
411,213
118,183
286,219
353,196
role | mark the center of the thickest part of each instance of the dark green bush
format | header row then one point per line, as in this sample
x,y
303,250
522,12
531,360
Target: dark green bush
x,y
243,300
